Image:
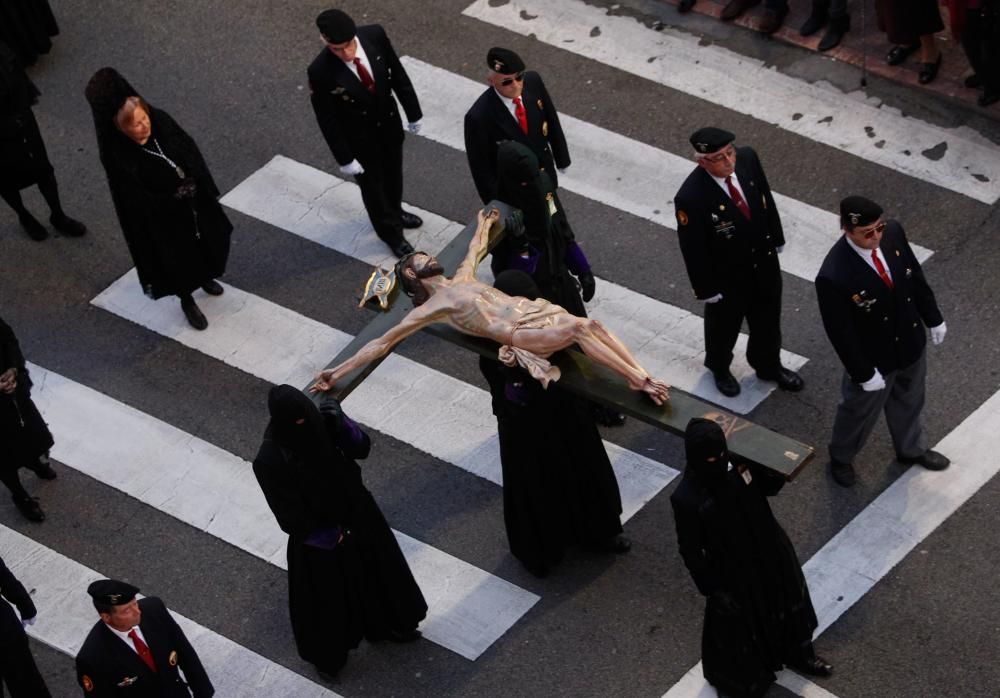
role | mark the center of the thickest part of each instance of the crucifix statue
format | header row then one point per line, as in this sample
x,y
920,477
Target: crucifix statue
x,y
529,331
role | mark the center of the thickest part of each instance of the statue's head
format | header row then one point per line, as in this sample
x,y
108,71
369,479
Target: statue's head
x,y
413,267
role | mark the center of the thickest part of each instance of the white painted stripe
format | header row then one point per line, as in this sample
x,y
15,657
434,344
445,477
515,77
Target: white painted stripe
x,y
817,111
878,538
621,172
216,492
667,340
438,414
693,685
65,616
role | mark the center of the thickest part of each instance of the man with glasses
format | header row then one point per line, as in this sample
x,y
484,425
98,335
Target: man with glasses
x,y
875,303
353,80
516,107
730,235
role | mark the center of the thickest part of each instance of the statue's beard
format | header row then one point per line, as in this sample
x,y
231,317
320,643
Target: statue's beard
x,y
432,268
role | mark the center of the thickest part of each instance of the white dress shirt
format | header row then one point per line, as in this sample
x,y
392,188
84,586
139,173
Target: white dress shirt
x,y
721,181
511,107
866,255
360,53
126,639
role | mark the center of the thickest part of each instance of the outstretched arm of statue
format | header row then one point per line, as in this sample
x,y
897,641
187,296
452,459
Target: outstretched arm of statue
x,y
479,245
415,320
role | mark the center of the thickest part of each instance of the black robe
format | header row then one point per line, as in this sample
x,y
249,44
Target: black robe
x,y
23,158
18,670
558,485
22,430
758,613
363,587
26,25
177,244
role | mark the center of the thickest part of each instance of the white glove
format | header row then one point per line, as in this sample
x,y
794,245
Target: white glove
x,y
352,168
414,126
779,249
562,170
876,382
938,333
714,299
25,622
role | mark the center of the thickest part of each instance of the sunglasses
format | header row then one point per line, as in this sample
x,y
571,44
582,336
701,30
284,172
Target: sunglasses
x,y
728,154
510,81
878,229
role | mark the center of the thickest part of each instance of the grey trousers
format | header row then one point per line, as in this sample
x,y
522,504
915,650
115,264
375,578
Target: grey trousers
x,y
903,401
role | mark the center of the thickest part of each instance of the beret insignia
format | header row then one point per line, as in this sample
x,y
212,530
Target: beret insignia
x,y
682,217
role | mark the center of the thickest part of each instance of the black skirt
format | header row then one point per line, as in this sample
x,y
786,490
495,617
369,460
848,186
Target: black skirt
x,y
905,21
23,158
25,26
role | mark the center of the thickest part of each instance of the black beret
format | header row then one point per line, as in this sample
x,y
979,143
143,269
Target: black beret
x,y
112,592
857,210
504,61
708,140
336,25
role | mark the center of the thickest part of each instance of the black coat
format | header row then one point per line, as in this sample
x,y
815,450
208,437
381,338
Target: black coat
x,y
869,325
558,485
488,122
723,251
17,665
355,122
23,158
176,244
22,430
361,588
14,592
758,611
112,668
25,26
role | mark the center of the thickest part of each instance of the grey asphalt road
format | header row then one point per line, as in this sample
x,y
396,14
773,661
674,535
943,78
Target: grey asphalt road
x,y
233,74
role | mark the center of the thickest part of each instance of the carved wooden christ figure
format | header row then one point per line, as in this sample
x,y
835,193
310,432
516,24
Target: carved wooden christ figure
x,y
529,331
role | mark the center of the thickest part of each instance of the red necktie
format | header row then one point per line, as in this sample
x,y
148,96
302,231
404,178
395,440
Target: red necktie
x,y
734,194
880,268
142,650
364,75
522,116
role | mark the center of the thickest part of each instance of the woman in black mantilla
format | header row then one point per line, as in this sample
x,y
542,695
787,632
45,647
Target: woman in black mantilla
x,y
758,613
23,159
165,197
347,577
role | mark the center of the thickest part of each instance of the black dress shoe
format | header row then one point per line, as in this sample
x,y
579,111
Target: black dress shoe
x,y
212,288
973,81
69,227
28,506
685,6
771,21
43,468
402,249
929,71
813,24
898,54
34,229
834,33
843,473
786,379
193,313
734,8
932,460
402,636
410,220
988,98
814,666
726,383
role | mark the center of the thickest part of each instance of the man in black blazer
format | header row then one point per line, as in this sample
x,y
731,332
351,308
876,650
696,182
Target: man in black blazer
x,y
352,82
730,235
875,303
136,649
17,666
516,107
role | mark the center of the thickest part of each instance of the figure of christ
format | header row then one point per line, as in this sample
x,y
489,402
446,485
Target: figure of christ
x,y
529,331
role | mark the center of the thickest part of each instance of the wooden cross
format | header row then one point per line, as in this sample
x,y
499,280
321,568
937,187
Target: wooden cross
x,y
590,380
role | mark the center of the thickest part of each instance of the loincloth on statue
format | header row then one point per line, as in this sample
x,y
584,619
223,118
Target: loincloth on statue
x,y
539,316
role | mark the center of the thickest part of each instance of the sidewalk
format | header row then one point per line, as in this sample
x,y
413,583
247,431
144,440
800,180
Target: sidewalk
x,y
954,67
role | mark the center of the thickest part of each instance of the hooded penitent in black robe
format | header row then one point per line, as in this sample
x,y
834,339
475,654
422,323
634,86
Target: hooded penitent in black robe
x,y
758,614
347,577
552,251
558,485
177,244
25,26
23,159
23,432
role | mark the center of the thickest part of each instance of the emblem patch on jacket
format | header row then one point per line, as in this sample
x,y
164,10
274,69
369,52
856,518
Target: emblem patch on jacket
x,y
172,658
862,302
88,684
682,217
540,105
127,681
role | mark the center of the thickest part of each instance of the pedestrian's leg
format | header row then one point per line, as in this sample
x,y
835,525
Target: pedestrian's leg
x,y
34,229
904,407
26,504
382,213
60,221
764,323
723,321
856,416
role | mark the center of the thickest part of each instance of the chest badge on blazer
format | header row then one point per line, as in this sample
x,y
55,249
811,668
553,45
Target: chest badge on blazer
x,y
88,683
763,201
682,217
909,272
338,91
540,105
722,207
715,218
172,659
897,253
127,681
545,129
862,302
